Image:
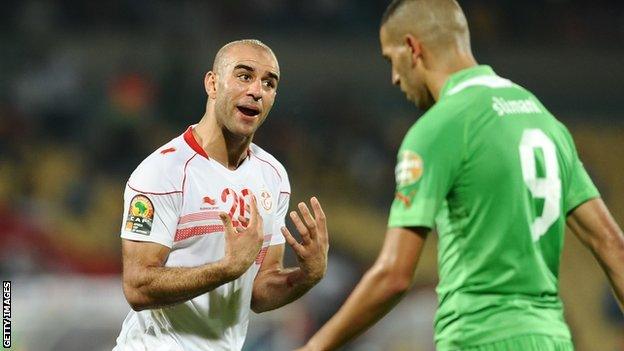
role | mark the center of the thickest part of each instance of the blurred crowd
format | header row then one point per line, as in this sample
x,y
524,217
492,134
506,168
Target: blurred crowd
x,y
88,89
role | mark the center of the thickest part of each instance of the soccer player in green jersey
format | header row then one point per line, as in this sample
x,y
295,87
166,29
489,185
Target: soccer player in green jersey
x,y
498,176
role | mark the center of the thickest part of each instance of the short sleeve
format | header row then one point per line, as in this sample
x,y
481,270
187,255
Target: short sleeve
x,y
283,202
427,164
580,189
578,186
150,217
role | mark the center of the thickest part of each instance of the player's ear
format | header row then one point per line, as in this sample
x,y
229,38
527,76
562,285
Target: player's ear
x,y
210,84
414,46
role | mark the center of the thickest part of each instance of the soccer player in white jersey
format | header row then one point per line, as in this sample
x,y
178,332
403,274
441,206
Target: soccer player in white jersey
x,y
203,230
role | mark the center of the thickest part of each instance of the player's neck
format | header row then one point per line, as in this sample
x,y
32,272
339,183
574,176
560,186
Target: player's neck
x,y
222,146
439,77
237,148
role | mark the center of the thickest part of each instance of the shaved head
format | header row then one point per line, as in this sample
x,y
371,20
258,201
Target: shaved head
x,y
241,87
221,58
425,41
438,24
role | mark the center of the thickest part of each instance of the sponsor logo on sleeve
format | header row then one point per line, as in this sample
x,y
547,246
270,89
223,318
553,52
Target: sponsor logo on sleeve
x,y
140,215
409,169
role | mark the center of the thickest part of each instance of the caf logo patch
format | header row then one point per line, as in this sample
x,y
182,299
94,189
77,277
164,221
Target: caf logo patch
x,y
140,215
409,169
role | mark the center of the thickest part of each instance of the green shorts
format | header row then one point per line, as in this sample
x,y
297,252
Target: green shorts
x,y
525,343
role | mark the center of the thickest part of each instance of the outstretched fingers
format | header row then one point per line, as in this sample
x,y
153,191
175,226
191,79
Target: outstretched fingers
x,y
244,222
320,216
309,220
255,221
240,227
301,227
227,222
292,241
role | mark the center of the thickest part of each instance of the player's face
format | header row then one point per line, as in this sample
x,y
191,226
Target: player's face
x,y
406,73
246,89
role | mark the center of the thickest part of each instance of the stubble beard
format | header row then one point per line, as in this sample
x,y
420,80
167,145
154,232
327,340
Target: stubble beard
x,y
231,128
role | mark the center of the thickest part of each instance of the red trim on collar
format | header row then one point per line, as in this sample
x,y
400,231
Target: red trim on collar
x,y
192,142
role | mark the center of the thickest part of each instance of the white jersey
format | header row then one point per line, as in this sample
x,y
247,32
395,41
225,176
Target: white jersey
x,y
173,198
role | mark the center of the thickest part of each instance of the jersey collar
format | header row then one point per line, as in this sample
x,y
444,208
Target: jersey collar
x,y
192,142
465,74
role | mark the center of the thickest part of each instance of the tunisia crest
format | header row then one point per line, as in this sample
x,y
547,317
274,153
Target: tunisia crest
x,y
266,201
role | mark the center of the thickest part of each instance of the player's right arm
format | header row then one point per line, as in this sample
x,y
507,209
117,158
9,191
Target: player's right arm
x,y
379,290
428,161
148,284
595,227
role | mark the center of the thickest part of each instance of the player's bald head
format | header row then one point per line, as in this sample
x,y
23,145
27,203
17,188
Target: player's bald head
x,y
224,55
438,24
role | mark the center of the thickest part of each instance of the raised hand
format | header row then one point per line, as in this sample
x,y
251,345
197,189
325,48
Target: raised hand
x,y
312,250
243,243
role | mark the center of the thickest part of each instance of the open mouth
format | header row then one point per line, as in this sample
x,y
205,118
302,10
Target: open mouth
x,y
248,110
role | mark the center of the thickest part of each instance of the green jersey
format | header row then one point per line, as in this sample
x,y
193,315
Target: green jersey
x,y
495,173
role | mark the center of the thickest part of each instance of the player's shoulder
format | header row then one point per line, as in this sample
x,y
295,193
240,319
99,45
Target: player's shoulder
x,y
466,99
483,95
163,170
480,84
477,92
268,161
562,135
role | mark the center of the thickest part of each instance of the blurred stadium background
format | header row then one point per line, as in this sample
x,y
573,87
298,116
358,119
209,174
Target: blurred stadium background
x,y
88,89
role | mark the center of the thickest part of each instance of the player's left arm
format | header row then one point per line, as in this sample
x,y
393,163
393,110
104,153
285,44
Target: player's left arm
x,y
595,227
381,288
276,286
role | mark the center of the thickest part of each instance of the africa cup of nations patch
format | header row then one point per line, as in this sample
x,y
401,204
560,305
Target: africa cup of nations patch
x,y
140,215
409,169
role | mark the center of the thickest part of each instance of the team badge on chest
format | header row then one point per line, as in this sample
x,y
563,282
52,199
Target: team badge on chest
x,y
140,215
266,201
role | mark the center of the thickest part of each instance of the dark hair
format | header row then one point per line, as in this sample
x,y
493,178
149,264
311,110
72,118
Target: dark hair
x,y
391,9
